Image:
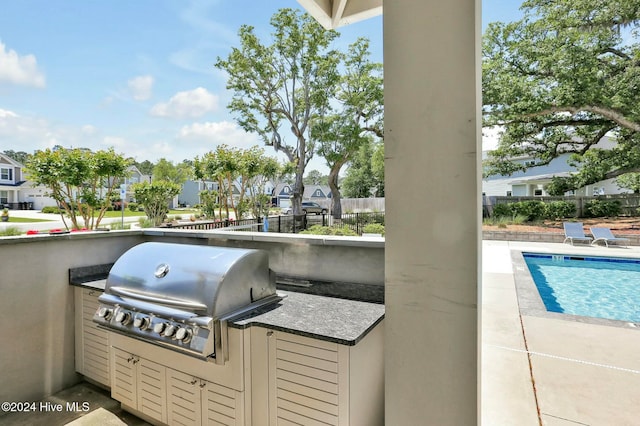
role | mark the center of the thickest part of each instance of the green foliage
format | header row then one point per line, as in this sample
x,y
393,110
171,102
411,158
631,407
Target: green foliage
x,y
360,179
373,228
155,197
226,166
283,85
166,170
314,177
559,80
145,222
10,231
534,210
560,185
82,182
630,181
363,218
601,208
326,230
354,118
560,210
52,210
133,207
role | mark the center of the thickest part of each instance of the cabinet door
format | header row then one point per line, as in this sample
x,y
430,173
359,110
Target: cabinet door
x,y
123,377
95,341
221,405
305,381
152,389
184,401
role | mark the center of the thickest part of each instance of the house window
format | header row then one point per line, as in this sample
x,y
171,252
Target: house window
x,y
4,197
508,193
537,192
6,174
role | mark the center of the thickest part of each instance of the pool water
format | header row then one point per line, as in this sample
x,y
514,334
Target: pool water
x,y
598,287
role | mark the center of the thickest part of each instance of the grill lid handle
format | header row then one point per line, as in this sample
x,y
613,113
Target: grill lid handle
x,y
160,300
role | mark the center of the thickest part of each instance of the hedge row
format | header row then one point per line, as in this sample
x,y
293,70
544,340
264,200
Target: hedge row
x,y
536,210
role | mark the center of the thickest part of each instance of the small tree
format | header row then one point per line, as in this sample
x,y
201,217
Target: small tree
x,y
82,182
155,198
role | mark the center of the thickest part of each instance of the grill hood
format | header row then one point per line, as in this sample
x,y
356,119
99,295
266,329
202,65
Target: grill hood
x,y
208,281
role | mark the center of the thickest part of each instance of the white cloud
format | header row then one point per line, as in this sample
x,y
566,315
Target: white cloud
x,y
141,87
193,103
21,70
88,129
217,133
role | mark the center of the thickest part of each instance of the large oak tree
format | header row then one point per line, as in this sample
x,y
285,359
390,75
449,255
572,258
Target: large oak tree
x,y
559,80
279,88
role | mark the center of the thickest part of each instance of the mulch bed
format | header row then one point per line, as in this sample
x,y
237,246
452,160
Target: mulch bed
x,y
618,225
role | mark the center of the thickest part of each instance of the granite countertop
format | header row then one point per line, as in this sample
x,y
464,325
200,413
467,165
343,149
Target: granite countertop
x,y
93,277
336,320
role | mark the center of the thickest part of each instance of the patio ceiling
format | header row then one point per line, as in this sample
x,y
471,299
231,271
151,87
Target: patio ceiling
x,y
332,14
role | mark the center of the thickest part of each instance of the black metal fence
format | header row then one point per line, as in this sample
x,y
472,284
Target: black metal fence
x,y
278,224
287,223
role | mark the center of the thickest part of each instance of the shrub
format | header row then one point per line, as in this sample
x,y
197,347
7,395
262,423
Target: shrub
x,y
560,210
326,230
373,228
531,209
133,207
52,209
10,231
146,222
599,208
502,210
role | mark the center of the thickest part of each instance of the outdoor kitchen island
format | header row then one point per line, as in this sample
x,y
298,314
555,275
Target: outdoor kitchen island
x,y
307,359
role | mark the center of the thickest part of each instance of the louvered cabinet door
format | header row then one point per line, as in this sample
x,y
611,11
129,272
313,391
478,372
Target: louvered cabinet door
x,y
222,405
184,406
92,343
152,389
124,377
307,381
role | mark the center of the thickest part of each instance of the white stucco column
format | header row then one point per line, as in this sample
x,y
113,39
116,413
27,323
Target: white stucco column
x,y
432,146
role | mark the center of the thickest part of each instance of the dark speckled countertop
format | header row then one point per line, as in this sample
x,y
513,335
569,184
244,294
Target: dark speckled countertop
x,y
336,320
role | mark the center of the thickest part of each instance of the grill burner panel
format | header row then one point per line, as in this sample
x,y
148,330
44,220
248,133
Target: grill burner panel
x,y
180,296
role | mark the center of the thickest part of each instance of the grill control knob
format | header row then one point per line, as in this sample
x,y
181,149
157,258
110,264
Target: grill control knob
x,y
169,331
159,327
123,317
105,313
184,334
141,322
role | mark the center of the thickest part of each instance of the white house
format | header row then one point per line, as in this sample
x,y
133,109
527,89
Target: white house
x,y
18,193
532,182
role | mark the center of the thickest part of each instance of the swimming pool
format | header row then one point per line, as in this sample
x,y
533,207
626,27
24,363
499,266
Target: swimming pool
x,y
600,287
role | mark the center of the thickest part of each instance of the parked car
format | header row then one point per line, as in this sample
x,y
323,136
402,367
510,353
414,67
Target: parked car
x,y
307,207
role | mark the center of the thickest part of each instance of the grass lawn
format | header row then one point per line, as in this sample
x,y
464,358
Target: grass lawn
x,y
25,220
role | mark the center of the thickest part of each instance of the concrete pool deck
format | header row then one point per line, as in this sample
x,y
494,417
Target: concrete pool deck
x,y
551,371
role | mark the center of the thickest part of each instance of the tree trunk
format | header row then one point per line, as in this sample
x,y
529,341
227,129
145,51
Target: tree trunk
x,y
298,187
336,206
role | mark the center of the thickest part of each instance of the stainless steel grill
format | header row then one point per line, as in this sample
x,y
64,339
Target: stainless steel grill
x,y
181,296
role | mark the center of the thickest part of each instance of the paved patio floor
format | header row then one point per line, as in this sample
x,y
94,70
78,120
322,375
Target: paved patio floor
x,y
552,371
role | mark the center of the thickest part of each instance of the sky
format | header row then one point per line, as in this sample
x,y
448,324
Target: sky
x,y
139,75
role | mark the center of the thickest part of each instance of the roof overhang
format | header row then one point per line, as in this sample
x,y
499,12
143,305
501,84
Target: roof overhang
x,y
332,14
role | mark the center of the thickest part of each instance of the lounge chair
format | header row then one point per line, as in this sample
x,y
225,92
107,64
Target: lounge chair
x,y
574,231
604,234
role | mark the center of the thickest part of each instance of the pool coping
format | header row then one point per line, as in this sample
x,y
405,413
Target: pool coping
x,y
530,303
